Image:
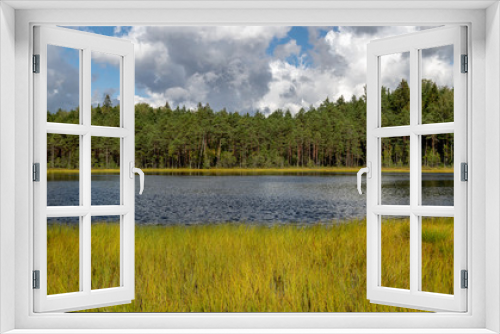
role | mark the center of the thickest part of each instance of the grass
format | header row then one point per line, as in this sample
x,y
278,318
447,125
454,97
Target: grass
x,y
248,268
251,171
63,256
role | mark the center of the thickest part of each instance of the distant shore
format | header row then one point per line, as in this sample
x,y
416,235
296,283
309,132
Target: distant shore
x,y
251,171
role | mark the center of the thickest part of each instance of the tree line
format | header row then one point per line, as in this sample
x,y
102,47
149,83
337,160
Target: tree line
x,y
332,134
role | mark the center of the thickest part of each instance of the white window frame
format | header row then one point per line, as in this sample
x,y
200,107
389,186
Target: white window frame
x,y
484,103
85,44
415,211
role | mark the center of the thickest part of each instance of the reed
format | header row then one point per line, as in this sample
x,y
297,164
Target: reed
x,y
249,171
256,268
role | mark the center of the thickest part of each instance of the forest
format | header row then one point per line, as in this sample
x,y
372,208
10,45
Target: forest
x,y
330,135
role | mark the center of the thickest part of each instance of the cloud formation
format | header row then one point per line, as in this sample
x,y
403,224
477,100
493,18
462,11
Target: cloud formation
x,y
338,68
63,81
264,68
223,66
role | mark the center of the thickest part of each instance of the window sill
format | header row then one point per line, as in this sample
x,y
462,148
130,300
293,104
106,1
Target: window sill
x,y
249,331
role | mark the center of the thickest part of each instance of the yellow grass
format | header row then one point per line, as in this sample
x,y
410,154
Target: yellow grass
x,y
51,171
243,171
248,268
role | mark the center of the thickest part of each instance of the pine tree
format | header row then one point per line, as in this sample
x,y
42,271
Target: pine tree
x,y
107,101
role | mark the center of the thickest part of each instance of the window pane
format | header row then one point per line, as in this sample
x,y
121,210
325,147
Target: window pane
x,y
105,252
395,89
63,255
437,169
437,255
63,85
395,243
105,171
437,84
105,89
395,177
63,170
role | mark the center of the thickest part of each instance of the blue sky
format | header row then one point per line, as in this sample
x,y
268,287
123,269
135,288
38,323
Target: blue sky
x,y
301,36
240,68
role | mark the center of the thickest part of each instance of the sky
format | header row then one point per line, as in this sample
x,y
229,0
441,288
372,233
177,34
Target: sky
x,y
240,68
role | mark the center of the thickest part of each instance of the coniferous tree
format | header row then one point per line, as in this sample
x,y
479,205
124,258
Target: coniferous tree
x,y
331,134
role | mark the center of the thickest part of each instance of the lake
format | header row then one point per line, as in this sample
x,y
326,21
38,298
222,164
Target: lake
x,y
263,199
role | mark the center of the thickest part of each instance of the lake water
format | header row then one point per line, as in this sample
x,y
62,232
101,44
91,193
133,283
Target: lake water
x,y
267,199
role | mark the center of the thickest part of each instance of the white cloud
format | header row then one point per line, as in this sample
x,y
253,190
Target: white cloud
x,y
296,87
339,68
394,68
242,33
229,67
105,59
351,43
286,50
62,79
224,66
437,65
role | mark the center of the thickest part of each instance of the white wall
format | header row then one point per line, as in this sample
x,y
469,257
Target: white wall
x,y
7,158
492,152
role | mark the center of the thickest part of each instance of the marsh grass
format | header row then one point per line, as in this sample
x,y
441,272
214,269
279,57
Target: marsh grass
x,y
437,255
249,268
63,258
395,243
248,171
105,254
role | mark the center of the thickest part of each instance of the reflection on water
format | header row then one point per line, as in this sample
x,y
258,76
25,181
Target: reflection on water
x,y
437,189
195,199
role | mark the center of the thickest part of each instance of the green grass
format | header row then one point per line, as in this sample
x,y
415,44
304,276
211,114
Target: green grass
x,y
251,171
245,268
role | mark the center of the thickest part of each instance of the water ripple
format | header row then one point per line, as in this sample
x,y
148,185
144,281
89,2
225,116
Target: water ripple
x,y
273,199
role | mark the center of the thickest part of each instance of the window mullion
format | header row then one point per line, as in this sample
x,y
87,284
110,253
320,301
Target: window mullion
x,y
392,131
66,129
418,126
414,173
81,228
433,129
420,129
86,173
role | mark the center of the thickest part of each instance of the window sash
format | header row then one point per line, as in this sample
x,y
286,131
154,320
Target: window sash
x,y
85,298
414,298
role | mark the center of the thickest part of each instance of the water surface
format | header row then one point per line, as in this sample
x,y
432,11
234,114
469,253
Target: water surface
x,y
267,199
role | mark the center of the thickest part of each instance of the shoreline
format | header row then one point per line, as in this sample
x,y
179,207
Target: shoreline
x,y
249,171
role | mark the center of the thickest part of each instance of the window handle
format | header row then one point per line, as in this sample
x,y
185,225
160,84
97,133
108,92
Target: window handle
x,y
368,171
134,170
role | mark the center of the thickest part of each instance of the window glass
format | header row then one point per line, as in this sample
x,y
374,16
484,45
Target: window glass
x,y
105,89
395,170
105,171
63,255
105,252
63,170
437,84
437,254
395,241
438,169
63,84
395,89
